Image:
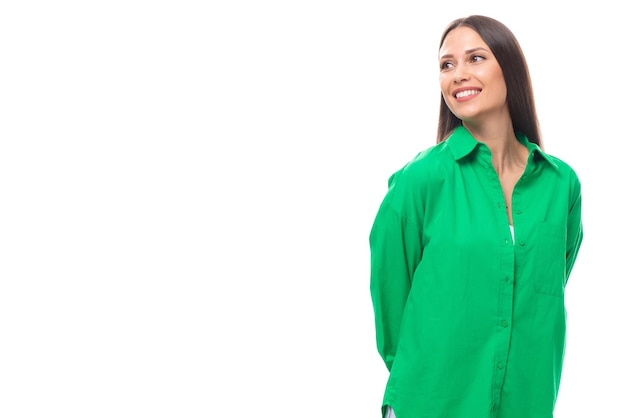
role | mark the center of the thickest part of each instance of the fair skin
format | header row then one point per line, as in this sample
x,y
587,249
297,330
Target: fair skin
x,y
473,87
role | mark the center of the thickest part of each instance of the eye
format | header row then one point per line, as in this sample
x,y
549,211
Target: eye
x,y
476,58
445,65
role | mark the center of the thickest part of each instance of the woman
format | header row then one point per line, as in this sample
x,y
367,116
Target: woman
x,y
473,245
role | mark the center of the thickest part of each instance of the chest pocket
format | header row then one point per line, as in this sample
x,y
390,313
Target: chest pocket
x,y
548,254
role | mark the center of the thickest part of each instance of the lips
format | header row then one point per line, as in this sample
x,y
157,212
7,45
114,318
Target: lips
x,y
466,93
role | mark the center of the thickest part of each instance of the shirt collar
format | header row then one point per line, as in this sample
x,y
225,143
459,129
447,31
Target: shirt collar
x,y
462,143
535,150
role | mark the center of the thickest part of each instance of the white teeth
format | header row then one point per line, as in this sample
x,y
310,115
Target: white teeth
x,y
466,93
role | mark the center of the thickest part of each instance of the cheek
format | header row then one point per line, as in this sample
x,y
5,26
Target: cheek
x,y
502,92
444,85
443,81
497,80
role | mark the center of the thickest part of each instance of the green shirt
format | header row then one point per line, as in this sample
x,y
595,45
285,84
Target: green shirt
x,y
469,323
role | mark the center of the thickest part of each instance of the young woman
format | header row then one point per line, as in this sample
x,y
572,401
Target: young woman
x,y
473,244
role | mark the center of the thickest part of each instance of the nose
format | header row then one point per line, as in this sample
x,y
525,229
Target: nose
x,y
460,74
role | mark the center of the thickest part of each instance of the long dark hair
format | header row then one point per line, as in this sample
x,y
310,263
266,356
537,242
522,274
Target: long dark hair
x,y
520,98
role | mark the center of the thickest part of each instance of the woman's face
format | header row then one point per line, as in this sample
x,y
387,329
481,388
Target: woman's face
x,y
470,77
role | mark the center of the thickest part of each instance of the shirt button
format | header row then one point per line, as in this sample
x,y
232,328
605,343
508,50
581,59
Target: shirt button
x,y
500,365
506,279
522,243
518,211
504,323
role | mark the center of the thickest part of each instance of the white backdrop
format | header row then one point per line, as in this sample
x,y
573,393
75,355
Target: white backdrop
x,y
187,189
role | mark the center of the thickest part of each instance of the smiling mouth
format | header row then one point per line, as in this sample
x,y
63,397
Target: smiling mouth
x,y
466,93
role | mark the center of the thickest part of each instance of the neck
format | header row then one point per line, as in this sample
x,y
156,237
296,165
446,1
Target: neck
x,y
506,151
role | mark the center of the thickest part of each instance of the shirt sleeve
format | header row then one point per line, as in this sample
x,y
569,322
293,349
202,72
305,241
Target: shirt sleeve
x,y
574,226
395,247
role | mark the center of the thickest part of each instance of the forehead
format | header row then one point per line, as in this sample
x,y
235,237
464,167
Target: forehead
x,y
461,39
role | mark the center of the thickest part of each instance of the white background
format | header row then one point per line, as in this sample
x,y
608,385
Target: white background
x,y
186,192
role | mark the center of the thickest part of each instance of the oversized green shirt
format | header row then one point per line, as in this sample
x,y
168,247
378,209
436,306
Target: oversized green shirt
x,y
471,323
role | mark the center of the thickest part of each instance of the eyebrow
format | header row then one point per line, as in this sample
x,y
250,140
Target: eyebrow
x,y
467,52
